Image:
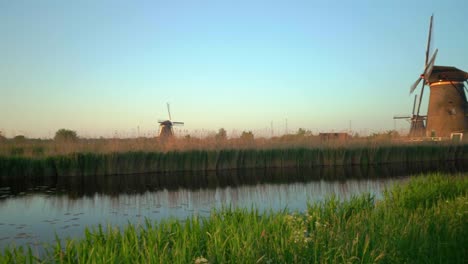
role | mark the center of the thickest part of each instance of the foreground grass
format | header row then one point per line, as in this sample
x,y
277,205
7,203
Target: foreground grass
x,y
425,221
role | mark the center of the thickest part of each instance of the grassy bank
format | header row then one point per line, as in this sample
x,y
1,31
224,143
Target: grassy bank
x,y
425,221
92,164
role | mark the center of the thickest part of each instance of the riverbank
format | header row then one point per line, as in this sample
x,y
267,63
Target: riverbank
x,y
423,221
96,164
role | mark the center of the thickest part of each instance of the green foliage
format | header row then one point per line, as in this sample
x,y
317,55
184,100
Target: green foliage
x,y
359,230
425,192
65,135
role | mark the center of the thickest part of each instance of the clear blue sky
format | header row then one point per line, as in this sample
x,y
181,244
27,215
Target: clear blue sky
x,y
103,66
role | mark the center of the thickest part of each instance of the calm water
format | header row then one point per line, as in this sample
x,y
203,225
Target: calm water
x,y
33,212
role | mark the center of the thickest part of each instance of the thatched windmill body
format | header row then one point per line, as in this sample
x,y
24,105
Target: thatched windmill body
x,y
448,107
165,126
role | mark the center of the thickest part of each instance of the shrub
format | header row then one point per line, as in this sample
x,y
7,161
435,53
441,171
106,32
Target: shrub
x,y
65,135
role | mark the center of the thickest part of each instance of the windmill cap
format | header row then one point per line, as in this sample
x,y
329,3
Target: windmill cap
x,y
165,122
447,73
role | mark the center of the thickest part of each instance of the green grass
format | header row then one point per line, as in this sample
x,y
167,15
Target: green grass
x,y
424,221
92,164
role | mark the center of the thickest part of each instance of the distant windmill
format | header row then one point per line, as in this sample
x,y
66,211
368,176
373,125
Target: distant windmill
x,y
448,108
417,128
165,126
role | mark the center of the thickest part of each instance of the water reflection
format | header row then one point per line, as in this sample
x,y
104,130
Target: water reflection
x,y
32,212
114,185
32,218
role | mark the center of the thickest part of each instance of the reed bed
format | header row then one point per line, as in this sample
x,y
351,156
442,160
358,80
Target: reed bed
x,y
41,148
424,221
95,164
47,147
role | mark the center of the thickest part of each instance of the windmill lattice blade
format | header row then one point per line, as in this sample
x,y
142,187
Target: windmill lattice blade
x,y
178,123
415,84
429,39
426,75
430,66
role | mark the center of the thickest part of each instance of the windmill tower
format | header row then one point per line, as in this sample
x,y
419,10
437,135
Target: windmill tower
x,y
448,108
165,126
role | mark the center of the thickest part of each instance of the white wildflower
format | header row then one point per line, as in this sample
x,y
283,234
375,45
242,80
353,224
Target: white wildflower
x,y
201,260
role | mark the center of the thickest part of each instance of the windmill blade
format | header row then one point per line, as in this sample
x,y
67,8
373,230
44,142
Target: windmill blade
x,y
430,66
426,76
401,117
178,123
414,103
415,84
420,99
169,111
429,39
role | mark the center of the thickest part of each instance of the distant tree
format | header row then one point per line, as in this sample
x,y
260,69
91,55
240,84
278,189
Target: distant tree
x,y
65,135
302,132
19,138
247,136
2,137
221,135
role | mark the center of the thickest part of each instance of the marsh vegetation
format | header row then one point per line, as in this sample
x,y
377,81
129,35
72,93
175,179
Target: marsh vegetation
x,y
118,163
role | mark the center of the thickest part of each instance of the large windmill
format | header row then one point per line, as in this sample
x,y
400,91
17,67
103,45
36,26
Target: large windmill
x,y
448,107
165,126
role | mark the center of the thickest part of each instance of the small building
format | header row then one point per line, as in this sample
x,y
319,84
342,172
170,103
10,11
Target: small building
x,y
339,136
